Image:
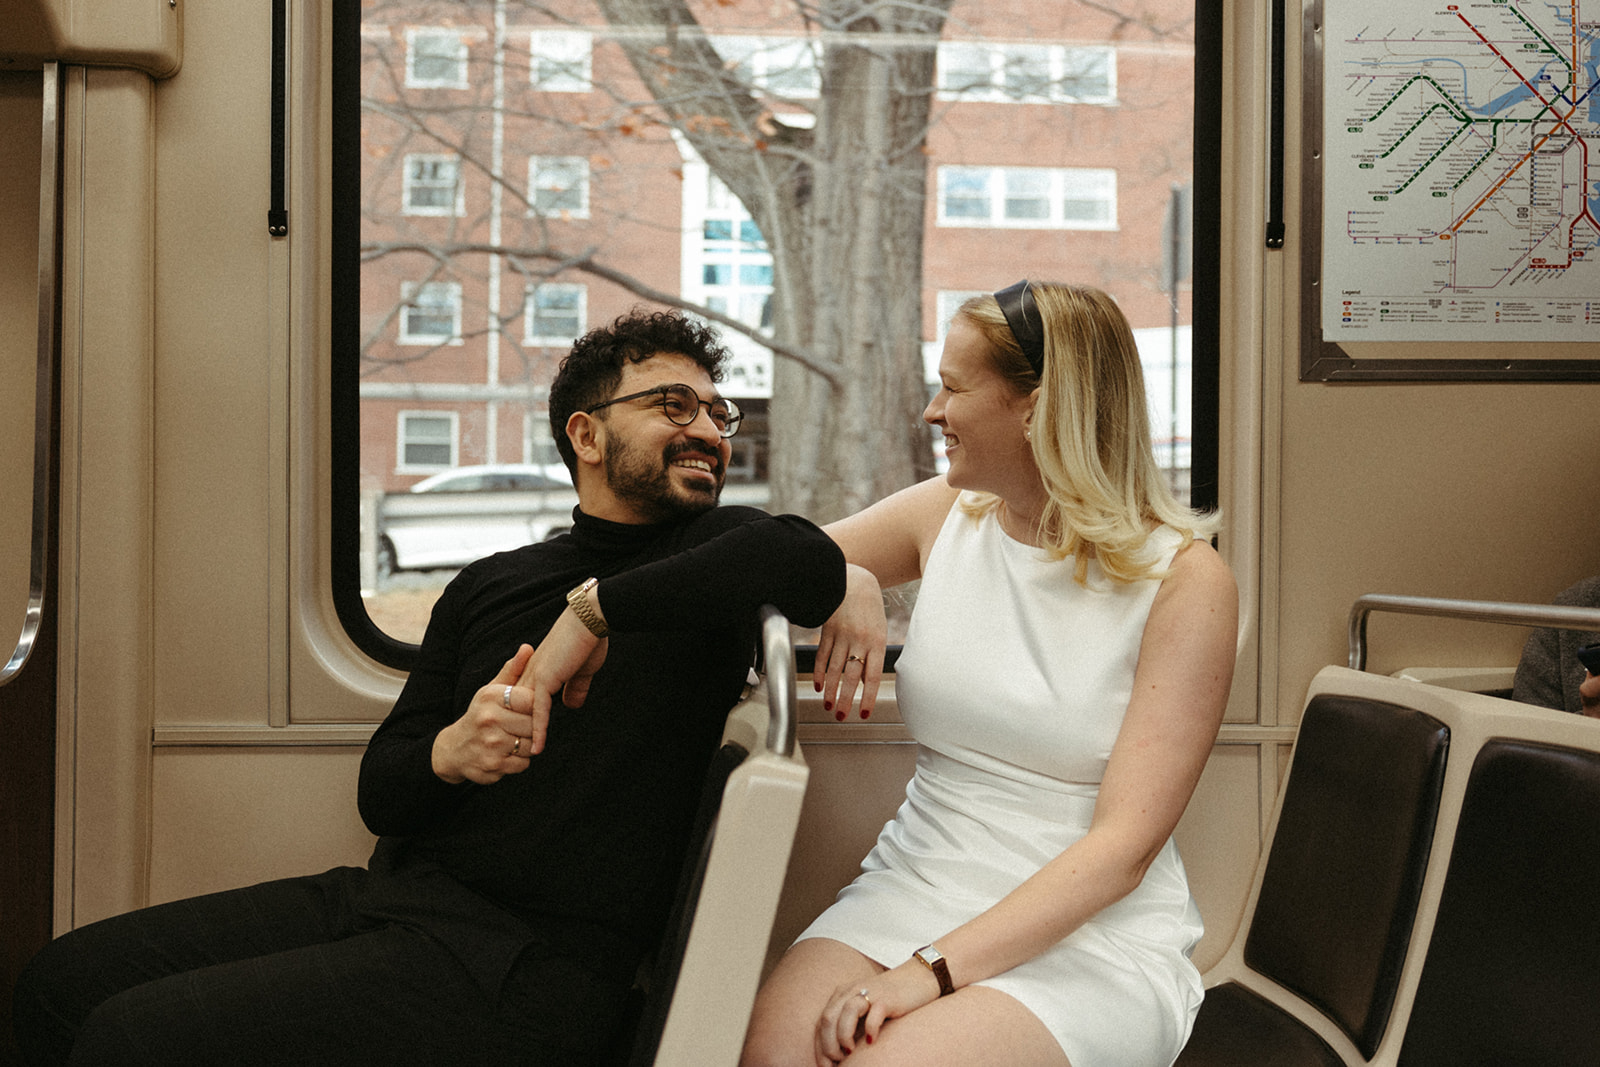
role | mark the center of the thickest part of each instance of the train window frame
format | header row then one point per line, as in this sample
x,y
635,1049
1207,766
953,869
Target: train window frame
x,y
345,338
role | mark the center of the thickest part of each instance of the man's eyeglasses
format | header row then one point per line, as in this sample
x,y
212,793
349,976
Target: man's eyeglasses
x,y
681,404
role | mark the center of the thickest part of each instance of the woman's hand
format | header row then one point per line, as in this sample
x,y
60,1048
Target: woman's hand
x,y
850,648
857,1012
493,738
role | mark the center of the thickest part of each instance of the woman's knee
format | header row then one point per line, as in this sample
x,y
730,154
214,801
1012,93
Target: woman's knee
x,y
783,1023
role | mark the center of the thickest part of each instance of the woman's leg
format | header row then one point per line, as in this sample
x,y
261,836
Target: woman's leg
x,y
783,1023
974,1027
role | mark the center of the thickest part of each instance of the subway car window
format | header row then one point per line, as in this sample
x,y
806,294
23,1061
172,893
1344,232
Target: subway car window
x,y
512,174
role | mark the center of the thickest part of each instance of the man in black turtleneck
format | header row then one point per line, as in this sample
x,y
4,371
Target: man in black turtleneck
x,y
532,806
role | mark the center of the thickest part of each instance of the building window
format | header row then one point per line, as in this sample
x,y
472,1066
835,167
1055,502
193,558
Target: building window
x,y
949,302
735,264
431,315
1027,73
559,61
1028,197
433,185
558,186
427,441
556,314
435,59
780,66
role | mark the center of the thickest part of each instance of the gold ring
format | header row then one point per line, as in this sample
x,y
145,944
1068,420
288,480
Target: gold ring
x,y
856,659
516,747
866,998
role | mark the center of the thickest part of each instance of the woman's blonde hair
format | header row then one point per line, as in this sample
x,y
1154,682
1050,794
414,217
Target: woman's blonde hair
x,y
1090,432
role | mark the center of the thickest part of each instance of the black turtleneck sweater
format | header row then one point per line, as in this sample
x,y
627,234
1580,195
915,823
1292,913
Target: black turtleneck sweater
x,y
591,836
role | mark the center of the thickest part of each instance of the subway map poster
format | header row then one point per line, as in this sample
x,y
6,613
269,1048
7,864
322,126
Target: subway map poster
x,y
1461,164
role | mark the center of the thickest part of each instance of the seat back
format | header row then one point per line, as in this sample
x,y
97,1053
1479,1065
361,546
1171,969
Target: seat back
x,y
1339,891
710,965
1512,972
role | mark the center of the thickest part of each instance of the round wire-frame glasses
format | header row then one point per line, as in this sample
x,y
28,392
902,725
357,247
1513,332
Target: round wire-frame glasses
x,y
680,403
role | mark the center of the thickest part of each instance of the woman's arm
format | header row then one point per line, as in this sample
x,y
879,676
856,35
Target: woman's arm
x,y
892,538
885,545
1180,690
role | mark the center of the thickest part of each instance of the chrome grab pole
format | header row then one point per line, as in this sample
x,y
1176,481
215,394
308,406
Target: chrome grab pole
x,y
44,390
778,657
1562,618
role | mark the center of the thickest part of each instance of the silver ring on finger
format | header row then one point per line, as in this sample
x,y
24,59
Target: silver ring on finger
x,y
505,699
863,994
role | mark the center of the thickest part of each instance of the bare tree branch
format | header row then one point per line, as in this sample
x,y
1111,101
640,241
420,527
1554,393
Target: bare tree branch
x,y
585,261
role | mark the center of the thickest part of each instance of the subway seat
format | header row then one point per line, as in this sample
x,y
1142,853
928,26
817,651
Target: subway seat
x,y
695,1006
1422,897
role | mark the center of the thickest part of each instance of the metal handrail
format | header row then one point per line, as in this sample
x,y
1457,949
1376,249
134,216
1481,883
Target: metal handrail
x,y
782,697
44,389
1563,618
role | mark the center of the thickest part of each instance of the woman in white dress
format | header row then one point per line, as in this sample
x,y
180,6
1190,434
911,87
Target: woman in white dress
x,y
1064,674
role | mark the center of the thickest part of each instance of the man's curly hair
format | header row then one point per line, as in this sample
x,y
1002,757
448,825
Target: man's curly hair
x,y
591,371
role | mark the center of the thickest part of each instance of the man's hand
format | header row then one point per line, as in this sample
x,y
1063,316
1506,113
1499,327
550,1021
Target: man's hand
x,y
495,736
567,660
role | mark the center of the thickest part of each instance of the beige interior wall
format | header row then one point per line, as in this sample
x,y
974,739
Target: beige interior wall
x,y
223,818
1472,490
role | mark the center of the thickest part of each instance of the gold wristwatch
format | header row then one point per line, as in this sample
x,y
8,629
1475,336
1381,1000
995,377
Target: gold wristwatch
x,y
933,959
578,601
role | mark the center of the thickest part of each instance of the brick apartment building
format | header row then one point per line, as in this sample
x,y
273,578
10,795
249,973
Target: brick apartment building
x,y
1059,132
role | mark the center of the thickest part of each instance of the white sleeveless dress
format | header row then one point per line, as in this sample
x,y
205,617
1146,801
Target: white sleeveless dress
x,y
1014,681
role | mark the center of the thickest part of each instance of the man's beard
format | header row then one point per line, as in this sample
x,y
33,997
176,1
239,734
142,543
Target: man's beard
x,y
645,480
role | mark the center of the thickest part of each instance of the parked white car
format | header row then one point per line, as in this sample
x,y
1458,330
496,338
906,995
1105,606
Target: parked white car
x,y
459,515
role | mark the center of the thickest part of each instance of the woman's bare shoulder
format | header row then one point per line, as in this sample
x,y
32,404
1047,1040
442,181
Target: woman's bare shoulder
x,y
892,537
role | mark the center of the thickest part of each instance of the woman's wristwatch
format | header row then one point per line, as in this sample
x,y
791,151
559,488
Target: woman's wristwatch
x,y
933,959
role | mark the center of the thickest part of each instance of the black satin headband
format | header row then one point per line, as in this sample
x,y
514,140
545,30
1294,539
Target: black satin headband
x,y
1027,326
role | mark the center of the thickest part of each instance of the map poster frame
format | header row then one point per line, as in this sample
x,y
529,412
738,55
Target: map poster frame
x,y
1565,351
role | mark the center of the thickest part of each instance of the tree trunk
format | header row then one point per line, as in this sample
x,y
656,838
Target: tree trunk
x,y
841,207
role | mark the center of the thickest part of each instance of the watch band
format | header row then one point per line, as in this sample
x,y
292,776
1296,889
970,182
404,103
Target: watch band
x,y
933,959
578,601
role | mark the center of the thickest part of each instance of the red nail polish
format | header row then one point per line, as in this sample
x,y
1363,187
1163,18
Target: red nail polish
x,y
869,1039
827,705
866,713
839,715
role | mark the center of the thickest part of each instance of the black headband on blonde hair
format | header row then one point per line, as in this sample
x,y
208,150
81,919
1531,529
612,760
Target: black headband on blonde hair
x,y
1027,326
